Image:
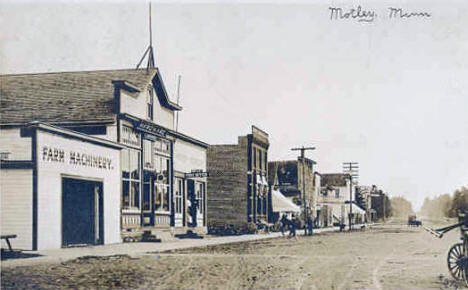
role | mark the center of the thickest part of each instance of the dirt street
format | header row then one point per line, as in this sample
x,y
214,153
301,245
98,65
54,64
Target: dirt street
x,y
384,257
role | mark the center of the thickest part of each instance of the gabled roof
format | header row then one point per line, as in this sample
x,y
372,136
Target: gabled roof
x,y
63,97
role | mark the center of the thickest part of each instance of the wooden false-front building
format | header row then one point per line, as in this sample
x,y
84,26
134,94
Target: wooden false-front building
x,y
131,111
237,181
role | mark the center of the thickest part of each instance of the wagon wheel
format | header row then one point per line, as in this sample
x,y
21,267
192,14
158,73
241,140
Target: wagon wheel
x,y
465,273
455,254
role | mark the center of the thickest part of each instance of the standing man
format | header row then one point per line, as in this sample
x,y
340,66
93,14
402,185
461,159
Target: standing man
x,y
310,225
292,227
193,206
284,223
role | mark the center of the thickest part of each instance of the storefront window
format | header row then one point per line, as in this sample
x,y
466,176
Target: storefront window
x,y
260,163
146,202
165,203
162,183
130,178
254,157
147,154
179,192
199,196
135,165
259,205
135,193
162,146
161,197
162,168
126,194
157,198
125,164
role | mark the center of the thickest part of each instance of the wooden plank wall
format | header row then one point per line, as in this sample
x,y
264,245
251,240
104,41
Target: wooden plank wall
x,y
16,206
227,184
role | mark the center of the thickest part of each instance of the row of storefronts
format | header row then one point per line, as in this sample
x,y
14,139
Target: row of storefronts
x,y
94,158
329,198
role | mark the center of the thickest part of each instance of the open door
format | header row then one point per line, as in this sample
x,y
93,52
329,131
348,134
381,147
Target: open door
x,y
82,212
192,204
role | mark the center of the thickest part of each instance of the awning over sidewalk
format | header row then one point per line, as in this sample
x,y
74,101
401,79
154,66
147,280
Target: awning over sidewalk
x,y
337,210
355,209
336,218
280,203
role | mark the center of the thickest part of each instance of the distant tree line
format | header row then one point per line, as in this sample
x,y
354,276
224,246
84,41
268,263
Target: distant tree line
x,y
401,207
446,205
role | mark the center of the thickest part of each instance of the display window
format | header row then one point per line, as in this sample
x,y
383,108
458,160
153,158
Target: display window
x,y
130,178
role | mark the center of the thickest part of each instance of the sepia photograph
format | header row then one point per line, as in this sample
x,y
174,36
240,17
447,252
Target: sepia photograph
x,y
234,144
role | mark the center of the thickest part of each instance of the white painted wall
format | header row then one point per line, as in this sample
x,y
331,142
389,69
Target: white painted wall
x,y
16,206
111,133
188,156
337,204
163,116
50,194
136,105
11,141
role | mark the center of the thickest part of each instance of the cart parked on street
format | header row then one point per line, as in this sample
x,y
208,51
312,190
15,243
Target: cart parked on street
x,y
412,221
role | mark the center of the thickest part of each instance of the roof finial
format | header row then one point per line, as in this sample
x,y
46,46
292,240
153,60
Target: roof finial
x,y
149,50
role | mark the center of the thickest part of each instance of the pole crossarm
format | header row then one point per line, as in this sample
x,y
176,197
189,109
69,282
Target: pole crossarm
x,y
303,148
351,168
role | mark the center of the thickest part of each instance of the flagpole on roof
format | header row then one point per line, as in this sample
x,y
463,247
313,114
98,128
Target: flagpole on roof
x,y
178,98
149,51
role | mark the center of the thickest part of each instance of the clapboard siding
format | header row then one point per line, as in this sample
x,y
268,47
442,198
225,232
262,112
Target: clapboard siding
x,y
11,141
16,206
227,184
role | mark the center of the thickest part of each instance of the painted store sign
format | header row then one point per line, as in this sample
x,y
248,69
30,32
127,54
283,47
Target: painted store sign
x,y
52,154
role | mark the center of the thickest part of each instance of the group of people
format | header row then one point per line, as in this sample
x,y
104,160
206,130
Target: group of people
x,y
293,223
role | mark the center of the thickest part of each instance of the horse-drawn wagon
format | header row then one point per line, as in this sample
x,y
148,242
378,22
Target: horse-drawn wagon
x,y
412,221
457,257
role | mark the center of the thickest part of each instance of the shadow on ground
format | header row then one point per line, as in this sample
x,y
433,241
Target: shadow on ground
x,y
7,255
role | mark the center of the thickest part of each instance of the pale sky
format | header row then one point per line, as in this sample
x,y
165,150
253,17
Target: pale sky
x,y
390,94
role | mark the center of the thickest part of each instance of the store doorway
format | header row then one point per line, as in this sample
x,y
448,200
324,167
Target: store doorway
x,y
82,212
192,204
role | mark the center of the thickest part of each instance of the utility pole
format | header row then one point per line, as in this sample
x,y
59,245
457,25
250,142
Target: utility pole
x,y
303,149
352,168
